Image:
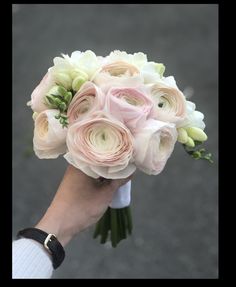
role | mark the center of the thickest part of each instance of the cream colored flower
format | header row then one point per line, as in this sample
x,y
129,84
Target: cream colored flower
x,y
170,103
101,146
37,102
119,66
154,143
116,74
88,99
49,136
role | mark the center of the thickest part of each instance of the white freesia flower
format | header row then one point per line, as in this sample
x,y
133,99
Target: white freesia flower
x,y
194,118
192,127
169,81
49,135
75,70
136,59
86,61
152,72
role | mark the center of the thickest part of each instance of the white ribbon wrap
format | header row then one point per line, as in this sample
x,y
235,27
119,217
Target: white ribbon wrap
x,y
122,196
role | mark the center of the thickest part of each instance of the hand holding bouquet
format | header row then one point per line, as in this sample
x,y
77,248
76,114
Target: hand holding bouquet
x,y
109,116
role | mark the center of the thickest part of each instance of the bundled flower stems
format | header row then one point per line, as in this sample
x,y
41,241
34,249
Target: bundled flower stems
x,y
109,116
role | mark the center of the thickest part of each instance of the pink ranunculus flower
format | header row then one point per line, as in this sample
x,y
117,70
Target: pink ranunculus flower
x,y
117,73
170,103
89,98
132,106
49,135
37,97
154,144
101,146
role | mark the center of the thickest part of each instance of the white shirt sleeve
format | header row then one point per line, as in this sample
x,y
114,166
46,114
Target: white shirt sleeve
x,y
30,260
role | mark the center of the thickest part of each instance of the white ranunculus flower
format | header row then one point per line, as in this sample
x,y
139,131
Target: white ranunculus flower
x,y
49,135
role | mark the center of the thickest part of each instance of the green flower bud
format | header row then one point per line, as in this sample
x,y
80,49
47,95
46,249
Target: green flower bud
x,y
77,72
197,155
55,90
196,134
57,102
190,142
160,68
63,79
78,82
182,135
62,106
68,97
49,101
34,116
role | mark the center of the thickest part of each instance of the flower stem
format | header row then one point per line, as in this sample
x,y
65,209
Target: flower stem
x,y
114,227
115,222
105,227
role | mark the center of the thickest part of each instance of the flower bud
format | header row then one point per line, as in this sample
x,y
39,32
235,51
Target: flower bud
x,y
190,142
34,116
68,97
49,101
55,90
182,135
196,134
78,82
63,79
62,106
77,72
197,154
160,68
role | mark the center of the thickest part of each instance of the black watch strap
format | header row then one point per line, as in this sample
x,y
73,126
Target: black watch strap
x,y
49,241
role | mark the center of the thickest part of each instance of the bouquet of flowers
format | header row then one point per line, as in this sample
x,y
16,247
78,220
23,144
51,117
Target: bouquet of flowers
x,y
112,115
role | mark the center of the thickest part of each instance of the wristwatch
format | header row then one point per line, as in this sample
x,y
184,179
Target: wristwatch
x,y
48,240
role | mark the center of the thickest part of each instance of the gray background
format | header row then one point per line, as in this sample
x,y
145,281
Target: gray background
x,y
175,214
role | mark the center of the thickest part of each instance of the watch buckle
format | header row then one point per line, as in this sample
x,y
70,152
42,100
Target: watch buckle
x,y
48,238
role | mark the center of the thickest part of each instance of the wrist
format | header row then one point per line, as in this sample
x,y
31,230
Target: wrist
x,y
49,242
53,223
